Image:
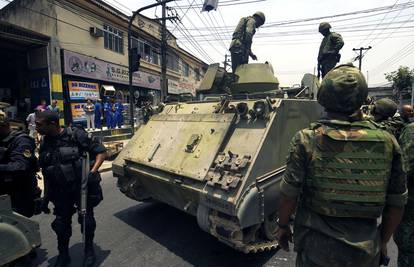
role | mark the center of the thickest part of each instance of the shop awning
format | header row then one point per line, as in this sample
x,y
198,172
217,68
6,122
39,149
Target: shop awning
x,y
108,90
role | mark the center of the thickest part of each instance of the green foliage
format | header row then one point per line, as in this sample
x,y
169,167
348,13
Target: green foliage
x,y
401,78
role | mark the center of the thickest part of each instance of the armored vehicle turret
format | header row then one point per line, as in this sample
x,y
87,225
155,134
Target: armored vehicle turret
x,y
220,158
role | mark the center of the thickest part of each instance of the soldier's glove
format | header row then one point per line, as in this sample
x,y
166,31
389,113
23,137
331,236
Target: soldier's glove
x,y
94,178
44,206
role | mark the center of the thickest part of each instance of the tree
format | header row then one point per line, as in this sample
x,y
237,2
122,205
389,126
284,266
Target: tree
x,y
402,80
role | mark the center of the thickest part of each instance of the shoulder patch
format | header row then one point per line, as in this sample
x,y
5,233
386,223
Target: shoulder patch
x,y
27,153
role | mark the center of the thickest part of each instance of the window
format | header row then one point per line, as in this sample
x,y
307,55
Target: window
x,y
148,52
186,69
172,62
197,74
113,39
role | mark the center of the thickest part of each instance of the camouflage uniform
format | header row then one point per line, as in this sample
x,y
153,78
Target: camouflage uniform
x,y
242,39
329,51
345,172
404,236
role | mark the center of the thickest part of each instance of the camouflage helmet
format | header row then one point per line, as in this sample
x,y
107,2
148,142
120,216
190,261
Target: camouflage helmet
x,y
323,26
260,15
343,89
385,107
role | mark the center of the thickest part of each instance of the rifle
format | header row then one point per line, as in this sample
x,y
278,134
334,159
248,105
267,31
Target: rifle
x,y
84,191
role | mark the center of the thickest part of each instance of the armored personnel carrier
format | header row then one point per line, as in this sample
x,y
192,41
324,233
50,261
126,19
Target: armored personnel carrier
x,y
18,235
221,158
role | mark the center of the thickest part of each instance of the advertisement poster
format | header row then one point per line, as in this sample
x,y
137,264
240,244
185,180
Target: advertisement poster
x,y
89,67
78,115
83,90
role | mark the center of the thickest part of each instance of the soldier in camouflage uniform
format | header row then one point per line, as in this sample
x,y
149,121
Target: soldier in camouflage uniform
x,y
383,111
404,236
241,44
329,50
342,174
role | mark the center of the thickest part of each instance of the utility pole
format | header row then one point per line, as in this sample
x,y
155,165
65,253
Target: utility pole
x,y
226,61
131,53
164,83
360,54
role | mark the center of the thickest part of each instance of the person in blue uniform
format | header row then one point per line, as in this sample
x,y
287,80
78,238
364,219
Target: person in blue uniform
x,y
60,157
119,117
108,113
18,167
98,114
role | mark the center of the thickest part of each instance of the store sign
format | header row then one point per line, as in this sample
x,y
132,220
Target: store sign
x,y
78,114
181,87
83,90
92,68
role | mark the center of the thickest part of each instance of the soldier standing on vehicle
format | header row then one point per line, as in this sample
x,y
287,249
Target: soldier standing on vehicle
x,y
241,44
18,167
344,173
60,158
329,50
404,236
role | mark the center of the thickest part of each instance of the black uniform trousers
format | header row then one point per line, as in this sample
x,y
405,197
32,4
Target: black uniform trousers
x,y
66,204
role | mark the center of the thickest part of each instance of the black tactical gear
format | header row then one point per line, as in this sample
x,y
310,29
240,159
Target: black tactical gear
x,y
18,167
61,162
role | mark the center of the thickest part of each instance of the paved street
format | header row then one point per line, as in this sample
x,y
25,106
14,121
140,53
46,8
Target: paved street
x,y
142,234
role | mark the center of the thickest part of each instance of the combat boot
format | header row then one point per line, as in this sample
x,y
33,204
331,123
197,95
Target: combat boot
x,y
89,257
63,259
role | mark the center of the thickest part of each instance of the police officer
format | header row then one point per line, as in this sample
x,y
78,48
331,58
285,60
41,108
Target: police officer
x,y
18,167
404,236
119,118
108,113
98,114
60,159
241,44
329,50
342,174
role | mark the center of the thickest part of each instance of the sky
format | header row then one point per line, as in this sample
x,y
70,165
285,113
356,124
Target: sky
x,y
289,39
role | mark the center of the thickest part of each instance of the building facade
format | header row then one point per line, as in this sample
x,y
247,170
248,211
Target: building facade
x,y
77,49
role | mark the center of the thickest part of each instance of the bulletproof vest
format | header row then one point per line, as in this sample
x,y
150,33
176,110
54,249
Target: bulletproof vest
x,y
240,29
349,170
61,161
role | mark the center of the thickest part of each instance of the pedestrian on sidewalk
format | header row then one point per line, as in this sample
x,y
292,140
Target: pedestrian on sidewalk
x,y
89,109
98,114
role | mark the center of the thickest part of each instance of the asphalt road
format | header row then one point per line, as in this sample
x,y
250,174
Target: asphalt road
x,y
152,234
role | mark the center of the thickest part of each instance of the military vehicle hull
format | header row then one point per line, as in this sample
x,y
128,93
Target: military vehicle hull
x,y
18,234
219,161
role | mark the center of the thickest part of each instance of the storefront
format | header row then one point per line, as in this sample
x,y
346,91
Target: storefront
x,y
24,71
87,77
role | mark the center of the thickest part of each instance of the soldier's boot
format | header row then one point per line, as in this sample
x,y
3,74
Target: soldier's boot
x,y
63,259
89,257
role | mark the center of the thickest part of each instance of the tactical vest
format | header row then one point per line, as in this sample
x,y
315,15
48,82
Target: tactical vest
x,y
62,165
239,35
349,170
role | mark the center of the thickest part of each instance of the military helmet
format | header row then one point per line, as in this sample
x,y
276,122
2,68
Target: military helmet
x,y
324,26
385,107
260,15
343,89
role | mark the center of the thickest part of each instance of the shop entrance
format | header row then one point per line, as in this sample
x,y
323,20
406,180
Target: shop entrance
x,y
24,71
